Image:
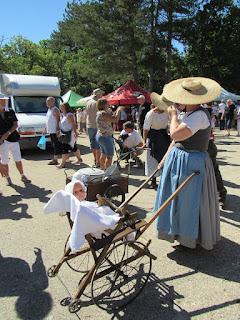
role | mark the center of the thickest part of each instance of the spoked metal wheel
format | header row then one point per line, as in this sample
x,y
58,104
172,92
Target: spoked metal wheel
x,y
75,306
81,263
115,194
121,275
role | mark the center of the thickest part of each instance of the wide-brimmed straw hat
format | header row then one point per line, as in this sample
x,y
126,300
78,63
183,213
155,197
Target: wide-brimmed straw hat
x,y
160,101
97,91
191,91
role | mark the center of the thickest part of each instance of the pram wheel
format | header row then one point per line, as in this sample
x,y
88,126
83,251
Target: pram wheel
x,y
121,275
50,272
75,306
81,263
115,194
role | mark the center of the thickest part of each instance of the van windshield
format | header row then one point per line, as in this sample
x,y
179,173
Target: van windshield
x,y
33,104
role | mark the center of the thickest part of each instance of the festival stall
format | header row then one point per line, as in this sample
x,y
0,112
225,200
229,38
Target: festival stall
x,y
127,94
72,98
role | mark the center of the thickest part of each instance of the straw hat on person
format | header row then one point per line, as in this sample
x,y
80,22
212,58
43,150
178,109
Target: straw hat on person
x,y
160,101
192,91
97,91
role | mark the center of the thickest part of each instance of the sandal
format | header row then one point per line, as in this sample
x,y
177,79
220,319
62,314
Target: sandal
x,y
80,160
53,162
61,166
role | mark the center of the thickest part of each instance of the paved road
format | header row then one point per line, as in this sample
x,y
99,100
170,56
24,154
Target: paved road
x,y
183,285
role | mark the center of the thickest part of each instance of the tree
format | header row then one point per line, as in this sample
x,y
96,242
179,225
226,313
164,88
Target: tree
x,y
214,51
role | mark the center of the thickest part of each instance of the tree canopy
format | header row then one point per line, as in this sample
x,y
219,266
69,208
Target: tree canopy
x,y
104,43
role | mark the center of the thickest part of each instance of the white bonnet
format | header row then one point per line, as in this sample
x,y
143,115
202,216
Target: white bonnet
x,y
69,187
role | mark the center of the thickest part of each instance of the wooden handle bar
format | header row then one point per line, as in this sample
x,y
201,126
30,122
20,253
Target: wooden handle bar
x,y
135,192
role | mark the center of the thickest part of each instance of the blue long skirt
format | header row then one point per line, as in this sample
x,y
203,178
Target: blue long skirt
x,y
187,216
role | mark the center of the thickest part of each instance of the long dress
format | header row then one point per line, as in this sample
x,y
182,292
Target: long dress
x,y
193,216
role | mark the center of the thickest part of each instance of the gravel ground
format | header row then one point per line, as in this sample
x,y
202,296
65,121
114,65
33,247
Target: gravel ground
x,y
194,284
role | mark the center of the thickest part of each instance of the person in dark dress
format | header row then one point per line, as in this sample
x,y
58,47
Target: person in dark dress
x,y
230,113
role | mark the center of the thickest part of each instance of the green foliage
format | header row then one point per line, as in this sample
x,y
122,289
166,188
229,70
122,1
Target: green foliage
x,y
105,43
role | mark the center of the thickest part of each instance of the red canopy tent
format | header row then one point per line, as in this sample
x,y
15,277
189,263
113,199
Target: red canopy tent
x,y
127,94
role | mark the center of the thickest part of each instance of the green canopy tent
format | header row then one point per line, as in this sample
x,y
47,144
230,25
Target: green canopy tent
x,y
72,97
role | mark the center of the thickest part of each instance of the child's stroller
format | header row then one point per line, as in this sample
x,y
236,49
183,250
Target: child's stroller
x,y
128,154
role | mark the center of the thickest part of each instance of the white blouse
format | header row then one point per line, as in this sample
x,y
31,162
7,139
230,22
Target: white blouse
x,y
195,121
155,120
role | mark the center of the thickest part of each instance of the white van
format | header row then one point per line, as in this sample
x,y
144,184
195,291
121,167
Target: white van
x,y
28,95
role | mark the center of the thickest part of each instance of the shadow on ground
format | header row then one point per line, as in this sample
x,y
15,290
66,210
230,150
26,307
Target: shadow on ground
x,y
18,280
222,262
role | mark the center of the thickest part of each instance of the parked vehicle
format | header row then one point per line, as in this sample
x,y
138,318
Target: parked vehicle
x,y
28,95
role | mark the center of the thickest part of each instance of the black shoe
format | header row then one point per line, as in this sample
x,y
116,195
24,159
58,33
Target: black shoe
x,y
223,203
9,181
153,186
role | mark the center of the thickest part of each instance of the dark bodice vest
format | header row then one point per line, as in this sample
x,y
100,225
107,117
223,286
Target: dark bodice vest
x,y
198,141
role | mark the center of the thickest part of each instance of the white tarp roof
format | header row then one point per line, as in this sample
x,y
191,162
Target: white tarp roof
x,y
86,99
228,95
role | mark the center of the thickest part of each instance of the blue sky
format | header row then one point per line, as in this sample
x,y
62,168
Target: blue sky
x,y
34,20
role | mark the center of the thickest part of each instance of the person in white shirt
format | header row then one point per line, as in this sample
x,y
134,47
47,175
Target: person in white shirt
x,y
131,140
52,127
155,135
221,109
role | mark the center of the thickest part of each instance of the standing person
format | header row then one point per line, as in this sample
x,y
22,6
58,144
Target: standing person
x,y
229,113
221,109
122,119
68,128
155,135
238,120
78,118
83,120
9,140
193,216
91,112
3,173
105,132
52,127
144,107
222,191
215,113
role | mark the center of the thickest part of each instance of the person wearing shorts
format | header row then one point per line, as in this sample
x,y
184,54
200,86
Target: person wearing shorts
x,y
91,111
104,134
8,124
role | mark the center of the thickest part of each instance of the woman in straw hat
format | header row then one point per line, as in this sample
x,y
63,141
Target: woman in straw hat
x,y
193,216
155,135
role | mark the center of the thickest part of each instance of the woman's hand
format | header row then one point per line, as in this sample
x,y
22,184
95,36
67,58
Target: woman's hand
x,y
172,111
75,134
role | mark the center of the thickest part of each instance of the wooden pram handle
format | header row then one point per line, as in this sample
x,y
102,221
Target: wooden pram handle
x,y
135,192
166,203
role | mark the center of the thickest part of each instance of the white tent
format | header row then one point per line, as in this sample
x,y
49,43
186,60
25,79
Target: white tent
x,y
228,95
86,99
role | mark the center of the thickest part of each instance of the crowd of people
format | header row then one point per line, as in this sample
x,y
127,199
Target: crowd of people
x,y
177,132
